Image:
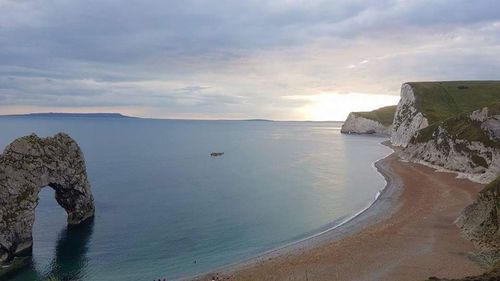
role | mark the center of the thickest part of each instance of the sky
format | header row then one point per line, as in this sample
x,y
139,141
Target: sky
x,y
226,59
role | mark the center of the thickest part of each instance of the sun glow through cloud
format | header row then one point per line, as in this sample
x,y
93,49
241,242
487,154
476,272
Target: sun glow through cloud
x,y
236,59
336,106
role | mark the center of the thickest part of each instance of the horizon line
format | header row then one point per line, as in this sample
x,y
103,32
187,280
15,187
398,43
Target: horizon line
x,y
121,115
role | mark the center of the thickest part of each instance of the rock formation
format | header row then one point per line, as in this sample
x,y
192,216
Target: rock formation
x,y
456,126
27,165
467,143
373,122
425,103
480,222
355,124
408,118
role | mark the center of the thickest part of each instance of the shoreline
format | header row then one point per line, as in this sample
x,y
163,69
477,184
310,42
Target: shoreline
x,y
382,206
404,223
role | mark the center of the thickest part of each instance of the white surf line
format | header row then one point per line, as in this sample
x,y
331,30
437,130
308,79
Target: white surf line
x,y
345,221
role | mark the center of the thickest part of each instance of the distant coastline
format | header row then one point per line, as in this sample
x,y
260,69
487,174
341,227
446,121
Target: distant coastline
x,y
120,115
73,115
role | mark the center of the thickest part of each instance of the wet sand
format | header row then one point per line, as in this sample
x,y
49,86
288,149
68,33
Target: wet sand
x,y
408,234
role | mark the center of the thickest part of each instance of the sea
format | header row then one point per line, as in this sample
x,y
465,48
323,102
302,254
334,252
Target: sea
x,y
166,208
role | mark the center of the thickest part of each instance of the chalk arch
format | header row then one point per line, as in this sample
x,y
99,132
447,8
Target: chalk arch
x,y
27,165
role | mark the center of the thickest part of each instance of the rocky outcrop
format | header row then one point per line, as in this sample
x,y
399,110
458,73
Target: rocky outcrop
x,y
378,122
27,165
408,118
455,126
355,124
480,222
467,144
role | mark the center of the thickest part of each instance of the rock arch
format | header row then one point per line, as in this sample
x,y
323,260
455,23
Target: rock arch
x,y
27,165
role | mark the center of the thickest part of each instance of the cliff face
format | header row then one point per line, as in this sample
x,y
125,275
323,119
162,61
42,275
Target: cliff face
x,y
480,222
408,118
27,165
467,143
456,126
378,122
355,124
425,103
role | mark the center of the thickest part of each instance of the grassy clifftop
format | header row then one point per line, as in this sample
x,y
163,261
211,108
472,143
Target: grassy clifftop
x,y
384,115
461,126
442,100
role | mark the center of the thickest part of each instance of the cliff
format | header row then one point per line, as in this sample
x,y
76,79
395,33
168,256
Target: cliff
x,y
378,121
425,103
456,126
408,119
27,165
467,143
480,222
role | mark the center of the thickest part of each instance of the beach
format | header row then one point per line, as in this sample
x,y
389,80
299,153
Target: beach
x,y
407,234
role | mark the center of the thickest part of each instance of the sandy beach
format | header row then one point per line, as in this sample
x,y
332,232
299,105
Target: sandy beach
x,y
408,234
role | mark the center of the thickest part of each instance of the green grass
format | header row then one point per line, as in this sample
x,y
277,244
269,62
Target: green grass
x,y
461,127
384,115
441,100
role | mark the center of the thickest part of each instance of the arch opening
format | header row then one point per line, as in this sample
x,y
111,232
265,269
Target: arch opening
x,y
27,165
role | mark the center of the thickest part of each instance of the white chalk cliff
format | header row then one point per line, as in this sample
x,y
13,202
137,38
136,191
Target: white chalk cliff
x,y
480,221
355,124
445,147
407,119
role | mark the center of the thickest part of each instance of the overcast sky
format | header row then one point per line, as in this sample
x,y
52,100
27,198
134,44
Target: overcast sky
x,y
282,59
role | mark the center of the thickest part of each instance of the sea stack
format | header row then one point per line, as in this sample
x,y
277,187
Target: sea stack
x,y
27,165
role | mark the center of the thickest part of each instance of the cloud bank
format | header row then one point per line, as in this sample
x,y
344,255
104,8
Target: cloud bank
x,y
235,59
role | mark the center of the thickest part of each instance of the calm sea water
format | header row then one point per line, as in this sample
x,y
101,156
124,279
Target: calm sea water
x,y
163,203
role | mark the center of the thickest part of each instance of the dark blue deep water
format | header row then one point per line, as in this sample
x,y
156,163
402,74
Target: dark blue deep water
x,y
162,202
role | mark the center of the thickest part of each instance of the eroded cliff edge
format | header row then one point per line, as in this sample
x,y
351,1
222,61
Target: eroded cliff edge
x,y
27,165
408,118
480,221
378,122
456,126
468,143
451,125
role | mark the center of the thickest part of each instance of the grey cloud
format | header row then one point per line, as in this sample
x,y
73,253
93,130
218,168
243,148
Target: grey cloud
x,y
235,56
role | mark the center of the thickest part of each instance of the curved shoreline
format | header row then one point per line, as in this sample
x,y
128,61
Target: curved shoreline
x,y
409,234
382,207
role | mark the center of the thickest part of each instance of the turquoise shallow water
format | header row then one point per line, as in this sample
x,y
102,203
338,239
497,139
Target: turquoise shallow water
x,y
162,202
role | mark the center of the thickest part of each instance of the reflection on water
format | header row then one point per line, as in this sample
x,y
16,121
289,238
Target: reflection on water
x,y
70,259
